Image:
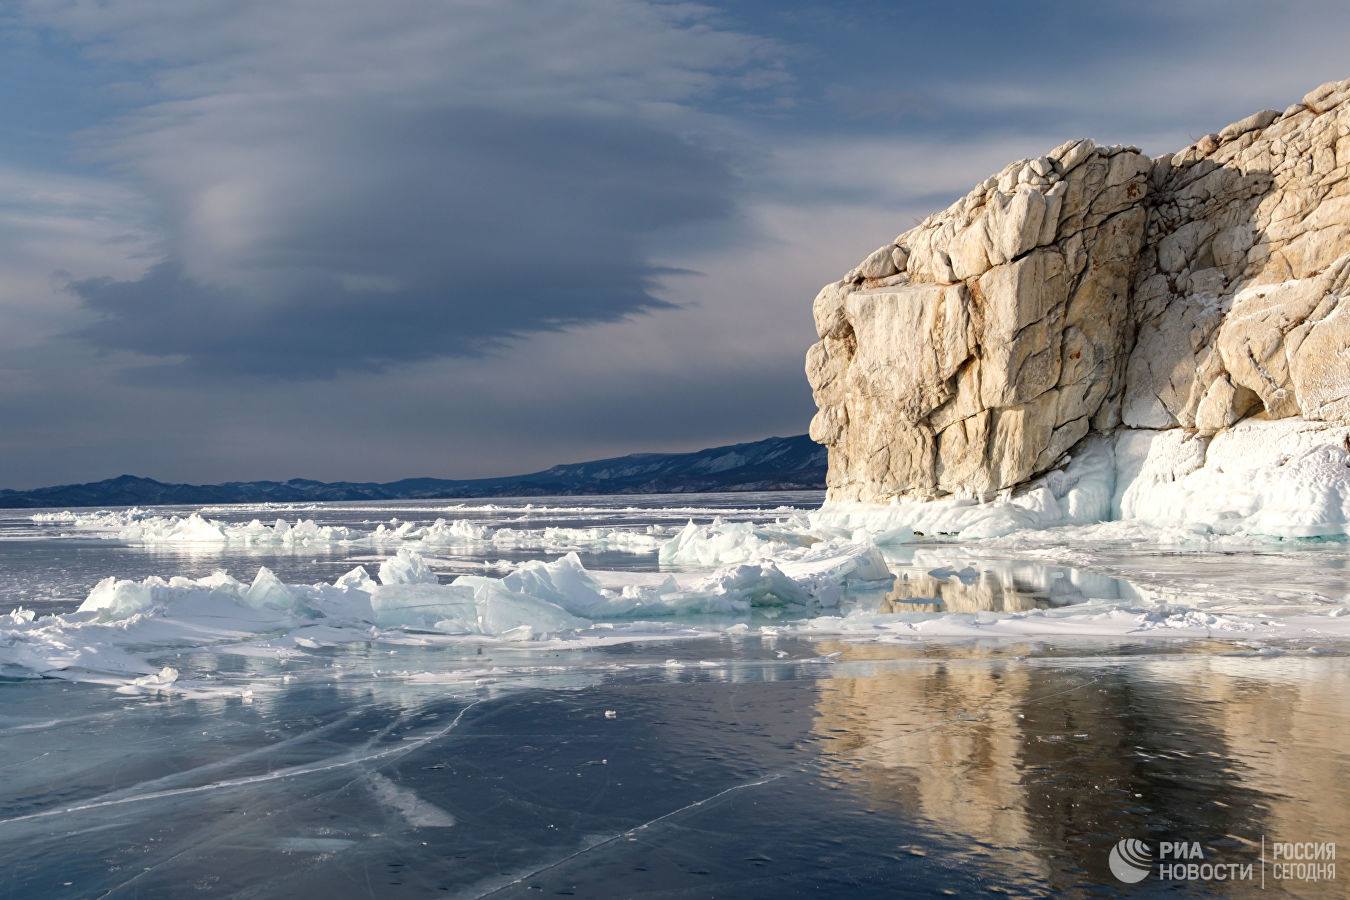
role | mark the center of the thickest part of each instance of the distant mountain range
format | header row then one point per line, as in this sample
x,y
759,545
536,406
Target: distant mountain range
x,y
773,464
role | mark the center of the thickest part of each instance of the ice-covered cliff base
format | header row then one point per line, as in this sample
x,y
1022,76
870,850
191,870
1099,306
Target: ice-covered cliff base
x,y
1284,478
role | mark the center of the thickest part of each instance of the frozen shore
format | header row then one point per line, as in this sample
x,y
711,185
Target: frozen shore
x,y
1050,564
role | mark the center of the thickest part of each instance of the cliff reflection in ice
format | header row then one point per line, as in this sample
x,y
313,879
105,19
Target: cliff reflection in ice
x,y
938,579
1043,766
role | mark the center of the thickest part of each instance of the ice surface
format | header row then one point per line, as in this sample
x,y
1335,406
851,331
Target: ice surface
x,y
721,542
538,600
382,709
139,526
1260,479
1049,561
107,637
1286,478
405,567
461,532
818,766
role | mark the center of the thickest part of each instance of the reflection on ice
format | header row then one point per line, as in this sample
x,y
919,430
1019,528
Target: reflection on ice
x,y
839,769
1044,764
754,698
938,582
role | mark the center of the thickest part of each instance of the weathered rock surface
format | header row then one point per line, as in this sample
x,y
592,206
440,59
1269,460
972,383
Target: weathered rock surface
x,y
1089,289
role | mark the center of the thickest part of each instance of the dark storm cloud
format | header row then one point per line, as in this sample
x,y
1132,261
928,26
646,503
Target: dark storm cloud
x,y
418,233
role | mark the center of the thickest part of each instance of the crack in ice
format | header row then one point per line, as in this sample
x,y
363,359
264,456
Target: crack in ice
x,y
293,772
631,831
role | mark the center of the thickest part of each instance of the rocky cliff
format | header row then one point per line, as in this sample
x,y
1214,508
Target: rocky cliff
x,y
1095,292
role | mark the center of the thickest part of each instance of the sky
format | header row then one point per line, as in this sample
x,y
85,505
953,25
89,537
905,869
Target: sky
x,y
337,239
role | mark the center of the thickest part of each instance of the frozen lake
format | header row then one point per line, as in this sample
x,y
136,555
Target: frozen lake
x,y
992,716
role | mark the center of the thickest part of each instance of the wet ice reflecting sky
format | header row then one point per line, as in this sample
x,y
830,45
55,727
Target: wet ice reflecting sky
x,y
740,772
743,764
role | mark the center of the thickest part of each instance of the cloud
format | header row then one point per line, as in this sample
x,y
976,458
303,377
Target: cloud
x,y
54,228
380,237
476,237
362,185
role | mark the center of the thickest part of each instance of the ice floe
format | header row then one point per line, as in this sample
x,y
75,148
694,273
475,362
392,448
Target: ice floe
x,y
462,532
538,600
137,526
721,542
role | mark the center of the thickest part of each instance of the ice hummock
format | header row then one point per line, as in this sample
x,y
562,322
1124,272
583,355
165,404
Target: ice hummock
x,y
539,600
139,526
721,542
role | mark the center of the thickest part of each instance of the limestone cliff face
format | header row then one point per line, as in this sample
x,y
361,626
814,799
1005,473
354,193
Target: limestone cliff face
x,y
1089,289
1241,294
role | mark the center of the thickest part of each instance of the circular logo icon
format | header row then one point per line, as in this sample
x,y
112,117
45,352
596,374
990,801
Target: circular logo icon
x,y
1131,860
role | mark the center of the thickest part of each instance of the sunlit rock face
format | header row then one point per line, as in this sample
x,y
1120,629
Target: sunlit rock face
x,y
988,356
1241,294
1088,289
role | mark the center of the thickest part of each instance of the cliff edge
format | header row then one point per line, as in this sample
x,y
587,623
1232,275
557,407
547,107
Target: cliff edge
x,y
1095,302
